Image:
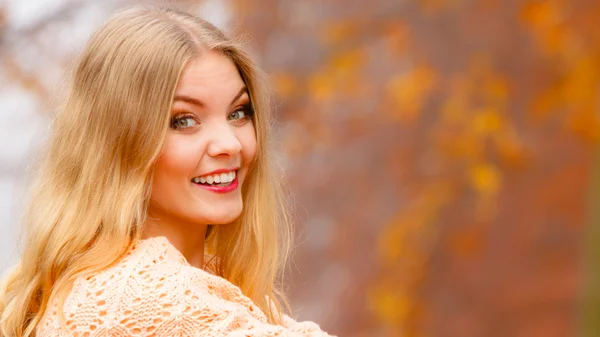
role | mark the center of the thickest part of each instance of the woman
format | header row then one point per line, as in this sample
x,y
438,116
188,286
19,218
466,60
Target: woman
x,y
158,155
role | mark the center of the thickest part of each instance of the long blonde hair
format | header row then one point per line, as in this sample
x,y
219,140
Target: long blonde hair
x,y
90,195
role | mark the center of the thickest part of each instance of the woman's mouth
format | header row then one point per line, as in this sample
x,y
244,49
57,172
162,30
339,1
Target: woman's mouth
x,y
219,182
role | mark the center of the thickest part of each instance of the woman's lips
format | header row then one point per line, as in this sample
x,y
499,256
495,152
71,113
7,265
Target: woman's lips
x,y
220,189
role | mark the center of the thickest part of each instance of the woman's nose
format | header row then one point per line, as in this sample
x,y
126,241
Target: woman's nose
x,y
223,141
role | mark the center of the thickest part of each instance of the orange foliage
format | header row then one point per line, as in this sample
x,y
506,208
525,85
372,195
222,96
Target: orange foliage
x,y
409,92
467,116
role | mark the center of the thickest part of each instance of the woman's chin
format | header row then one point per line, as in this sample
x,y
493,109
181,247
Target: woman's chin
x,y
222,219
221,222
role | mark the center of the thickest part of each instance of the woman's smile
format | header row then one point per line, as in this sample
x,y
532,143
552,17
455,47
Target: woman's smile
x,y
219,181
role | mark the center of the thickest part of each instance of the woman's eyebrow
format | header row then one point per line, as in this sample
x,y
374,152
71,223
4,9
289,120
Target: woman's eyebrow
x,y
194,101
188,99
239,94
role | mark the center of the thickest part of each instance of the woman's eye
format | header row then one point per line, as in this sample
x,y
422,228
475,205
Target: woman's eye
x,y
182,122
240,114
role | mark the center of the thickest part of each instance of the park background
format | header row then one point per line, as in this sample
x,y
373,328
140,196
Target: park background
x,y
443,153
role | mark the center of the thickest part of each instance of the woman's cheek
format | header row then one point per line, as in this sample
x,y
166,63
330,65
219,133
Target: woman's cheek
x,y
181,156
249,143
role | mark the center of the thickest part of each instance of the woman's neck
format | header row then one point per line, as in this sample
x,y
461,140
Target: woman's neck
x,y
187,238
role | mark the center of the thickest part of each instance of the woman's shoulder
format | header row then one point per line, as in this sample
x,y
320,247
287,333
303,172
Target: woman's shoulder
x,y
153,291
149,286
153,267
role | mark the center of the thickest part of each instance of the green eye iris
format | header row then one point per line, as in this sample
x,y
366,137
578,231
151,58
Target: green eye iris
x,y
239,114
183,122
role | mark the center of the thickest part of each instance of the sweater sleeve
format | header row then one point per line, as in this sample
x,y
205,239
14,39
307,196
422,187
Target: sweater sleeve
x,y
306,328
213,316
215,307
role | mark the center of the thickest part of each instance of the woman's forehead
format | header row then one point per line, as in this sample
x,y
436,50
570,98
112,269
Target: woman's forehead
x,y
213,75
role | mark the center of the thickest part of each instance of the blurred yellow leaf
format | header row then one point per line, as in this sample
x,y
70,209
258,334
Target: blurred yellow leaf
x,y
546,21
485,178
321,86
581,84
390,305
585,123
409,92
338,77
542,14
487,121
554,40
348,62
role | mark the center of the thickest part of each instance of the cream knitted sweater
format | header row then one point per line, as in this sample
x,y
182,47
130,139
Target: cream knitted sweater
x,y
153,291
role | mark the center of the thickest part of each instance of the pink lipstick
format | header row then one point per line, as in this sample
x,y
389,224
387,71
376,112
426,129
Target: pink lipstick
x,y
232,186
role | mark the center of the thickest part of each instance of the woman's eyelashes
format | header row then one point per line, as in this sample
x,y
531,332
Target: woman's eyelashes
x,y
242,114
183,121
239,116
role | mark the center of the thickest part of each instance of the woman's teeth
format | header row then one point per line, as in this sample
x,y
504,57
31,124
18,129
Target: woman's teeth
x,y
220,178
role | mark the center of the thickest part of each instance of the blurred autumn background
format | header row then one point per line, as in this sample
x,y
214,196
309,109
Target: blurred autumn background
x,y
443,153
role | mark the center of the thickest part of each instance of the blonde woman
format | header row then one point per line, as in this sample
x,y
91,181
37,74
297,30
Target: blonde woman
x,y
155,211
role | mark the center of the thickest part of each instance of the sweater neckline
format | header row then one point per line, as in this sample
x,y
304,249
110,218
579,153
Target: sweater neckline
x,y
173,254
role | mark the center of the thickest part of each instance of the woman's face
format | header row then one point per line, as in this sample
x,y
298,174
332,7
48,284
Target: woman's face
x,y
210,140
